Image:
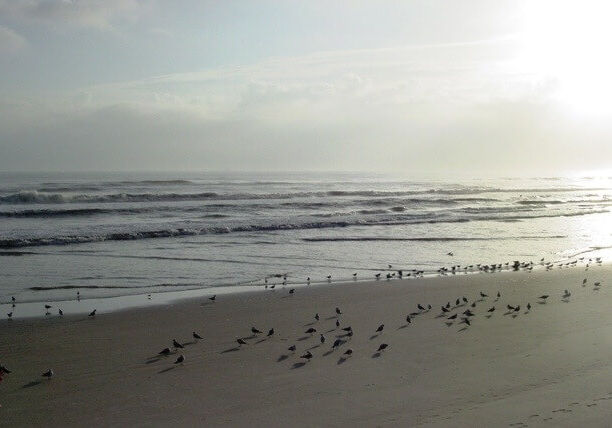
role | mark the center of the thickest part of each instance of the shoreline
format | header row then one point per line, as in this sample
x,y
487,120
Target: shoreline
x,y
499,370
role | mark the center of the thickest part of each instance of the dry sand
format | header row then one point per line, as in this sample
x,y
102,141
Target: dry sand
x,y
548,367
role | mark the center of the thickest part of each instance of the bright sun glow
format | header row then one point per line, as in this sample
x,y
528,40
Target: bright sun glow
x,y
568,42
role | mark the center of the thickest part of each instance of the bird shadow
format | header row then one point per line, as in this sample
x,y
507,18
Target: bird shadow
x,y
342,335
330,330
488,316
234,349
402,326
441,315
310,323
152,360
526,312
31,384
282,358
449,323
166,370
508,312
313,347
541,303
374,336
303,338
514,315
565,300
462,329
331,351
341,360
331,318
260,340
376,355
298,365
193,342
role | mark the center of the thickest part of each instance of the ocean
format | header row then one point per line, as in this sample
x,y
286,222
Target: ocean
x,y
118,234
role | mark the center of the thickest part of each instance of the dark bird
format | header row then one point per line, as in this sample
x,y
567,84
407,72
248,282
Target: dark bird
x,y
348,352
196,335
498,294
61,313
241,341
48,373
165,351
510,308
338,311
13,299
428,307
213,298
311,330
382,347
317,317
180,359
473,305
464,299
420,307
337,323
322,339
9,315
176,344
92,313
328,276
380,328
528,306
255,331
292,348
350,333
349,328
48,306
355,275
408,319
543,297
447,305
518,308
491,309
337,343
271,332
292,291
483,295
307,356
468,313
452,317
4,370
457,302
466,321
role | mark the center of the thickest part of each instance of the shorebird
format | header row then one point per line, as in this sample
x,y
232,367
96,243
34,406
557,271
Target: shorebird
x,y
510,307
457,302
465,321
292,291
584,281
528,306
337,343
213,298
452,317
448,305
491,309
292,348
464,299
337,323
338,311
9,315
317,317
61,313
48,374
13,299
543,297
48,307
322,339
165,351
420,307
4,370
255,331
311,330
518,308
408,319
429,307
92,313
307,356
240,341
382,347
176,344
349,328
329,277
271,332
180,359
377,276
468,313
483,295
380,328
348,352
567,294
196,335
355,275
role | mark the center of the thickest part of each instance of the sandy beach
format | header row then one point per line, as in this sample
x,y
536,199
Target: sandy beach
x,y
549,366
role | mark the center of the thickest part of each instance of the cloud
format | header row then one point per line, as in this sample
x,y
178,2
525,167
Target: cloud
x,y
98,14
10,41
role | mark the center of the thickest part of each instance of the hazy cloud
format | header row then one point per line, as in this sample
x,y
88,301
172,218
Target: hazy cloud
x,y
10,41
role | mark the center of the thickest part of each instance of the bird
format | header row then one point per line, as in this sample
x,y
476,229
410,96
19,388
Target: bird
x,y
355,275
483,295
13,299
380,328
349,328
543,297
464,299
338,311
213,298
337,323
452,317
196,335
9,315
528,306
255,331
491,309
180,359
457,302
584,281
292,291
337,343
329,277
4,370
566,294
317,317
176,344
420,307
466,321
468,313
348,352
510,307
61,313
311,330
498,294
271,332
382,347
322,339
48,374
241,342
92,313
444,309
165,351
518,308
292,348
307,356
48,306
408,319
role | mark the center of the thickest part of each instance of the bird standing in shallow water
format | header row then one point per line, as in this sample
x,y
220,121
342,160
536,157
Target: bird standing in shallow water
x,y
213,298
92,313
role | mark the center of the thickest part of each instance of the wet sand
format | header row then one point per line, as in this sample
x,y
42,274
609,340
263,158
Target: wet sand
x,y
550,366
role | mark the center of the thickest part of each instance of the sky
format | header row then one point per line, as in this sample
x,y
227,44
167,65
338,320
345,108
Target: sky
x,y
413,86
